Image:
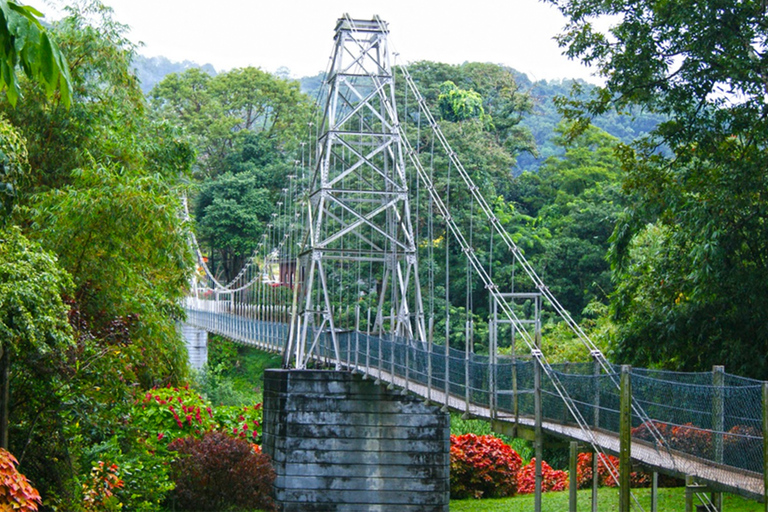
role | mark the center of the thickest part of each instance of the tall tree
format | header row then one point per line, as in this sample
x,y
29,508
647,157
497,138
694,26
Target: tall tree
x,y
100,192
699,178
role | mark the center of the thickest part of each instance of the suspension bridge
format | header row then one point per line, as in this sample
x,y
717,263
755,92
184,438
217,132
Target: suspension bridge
x,y
385,259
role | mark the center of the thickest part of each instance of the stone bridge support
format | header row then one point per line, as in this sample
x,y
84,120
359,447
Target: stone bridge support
x,y
197,345
341,443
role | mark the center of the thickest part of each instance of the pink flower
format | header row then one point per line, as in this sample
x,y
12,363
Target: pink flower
x,y
245,426
160,436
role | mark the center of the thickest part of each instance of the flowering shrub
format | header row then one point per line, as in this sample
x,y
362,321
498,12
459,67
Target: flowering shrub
x,y
243,422
743,446
584,472
167,413
99,490
551,479
646,433
482,466
16,493
218,472
686,438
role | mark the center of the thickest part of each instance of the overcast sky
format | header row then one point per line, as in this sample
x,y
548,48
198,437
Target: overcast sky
x,y
298,34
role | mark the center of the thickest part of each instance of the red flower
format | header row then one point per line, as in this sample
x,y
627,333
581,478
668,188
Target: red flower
x,y
160,436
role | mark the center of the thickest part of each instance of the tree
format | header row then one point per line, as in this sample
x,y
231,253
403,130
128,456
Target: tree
x,y
218,111
33,316
100,191
458,104
699,177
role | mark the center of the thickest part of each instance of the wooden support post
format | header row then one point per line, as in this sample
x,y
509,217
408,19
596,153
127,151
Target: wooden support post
x,y
595,479
717,501
596,370
688,494
538,440
573,483
718,422
654,492
625,439
765,445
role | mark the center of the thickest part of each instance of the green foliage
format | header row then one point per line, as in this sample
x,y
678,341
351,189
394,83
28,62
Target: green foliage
x,y
705,302
168,413
13,168
217,111
218,472
240,421
25,43
33,317
234,373
133,263
458,104
99,192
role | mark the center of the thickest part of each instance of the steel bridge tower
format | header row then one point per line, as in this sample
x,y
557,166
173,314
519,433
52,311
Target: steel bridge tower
x,y
358,212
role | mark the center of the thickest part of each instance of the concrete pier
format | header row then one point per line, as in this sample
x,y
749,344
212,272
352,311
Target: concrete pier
x,y
197,345
341,443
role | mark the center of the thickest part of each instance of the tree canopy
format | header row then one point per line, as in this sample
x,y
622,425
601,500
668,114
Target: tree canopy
x,y
690,251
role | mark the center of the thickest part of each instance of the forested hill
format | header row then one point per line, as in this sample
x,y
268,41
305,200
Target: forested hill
x,y
544,117
151,70
541,121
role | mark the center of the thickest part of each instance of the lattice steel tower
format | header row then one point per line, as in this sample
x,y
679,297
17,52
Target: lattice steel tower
x,y
358,210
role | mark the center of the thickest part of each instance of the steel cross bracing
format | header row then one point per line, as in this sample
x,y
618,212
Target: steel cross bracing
x,y
358,209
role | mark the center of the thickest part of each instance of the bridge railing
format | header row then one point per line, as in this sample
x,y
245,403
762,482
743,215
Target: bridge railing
x,y
711,416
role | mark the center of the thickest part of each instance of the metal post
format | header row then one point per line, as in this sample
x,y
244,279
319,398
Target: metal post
x,y
625,439
467,337
718,422
572,496
596,370
595,479
765,445
688,493
654,492
718,410
492,369
538,436
430,335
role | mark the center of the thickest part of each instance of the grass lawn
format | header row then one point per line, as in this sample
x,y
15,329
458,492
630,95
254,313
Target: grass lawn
x,y
670,500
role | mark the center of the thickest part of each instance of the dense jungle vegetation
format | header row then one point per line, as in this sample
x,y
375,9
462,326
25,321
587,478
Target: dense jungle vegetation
x,y
641,202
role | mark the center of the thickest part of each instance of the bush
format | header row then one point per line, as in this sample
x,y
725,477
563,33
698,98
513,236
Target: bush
x,y
16,493
551,479
219,472
743,447
584,472
482,466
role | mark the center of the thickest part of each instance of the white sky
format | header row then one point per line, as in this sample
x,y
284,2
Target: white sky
x,y
298,34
